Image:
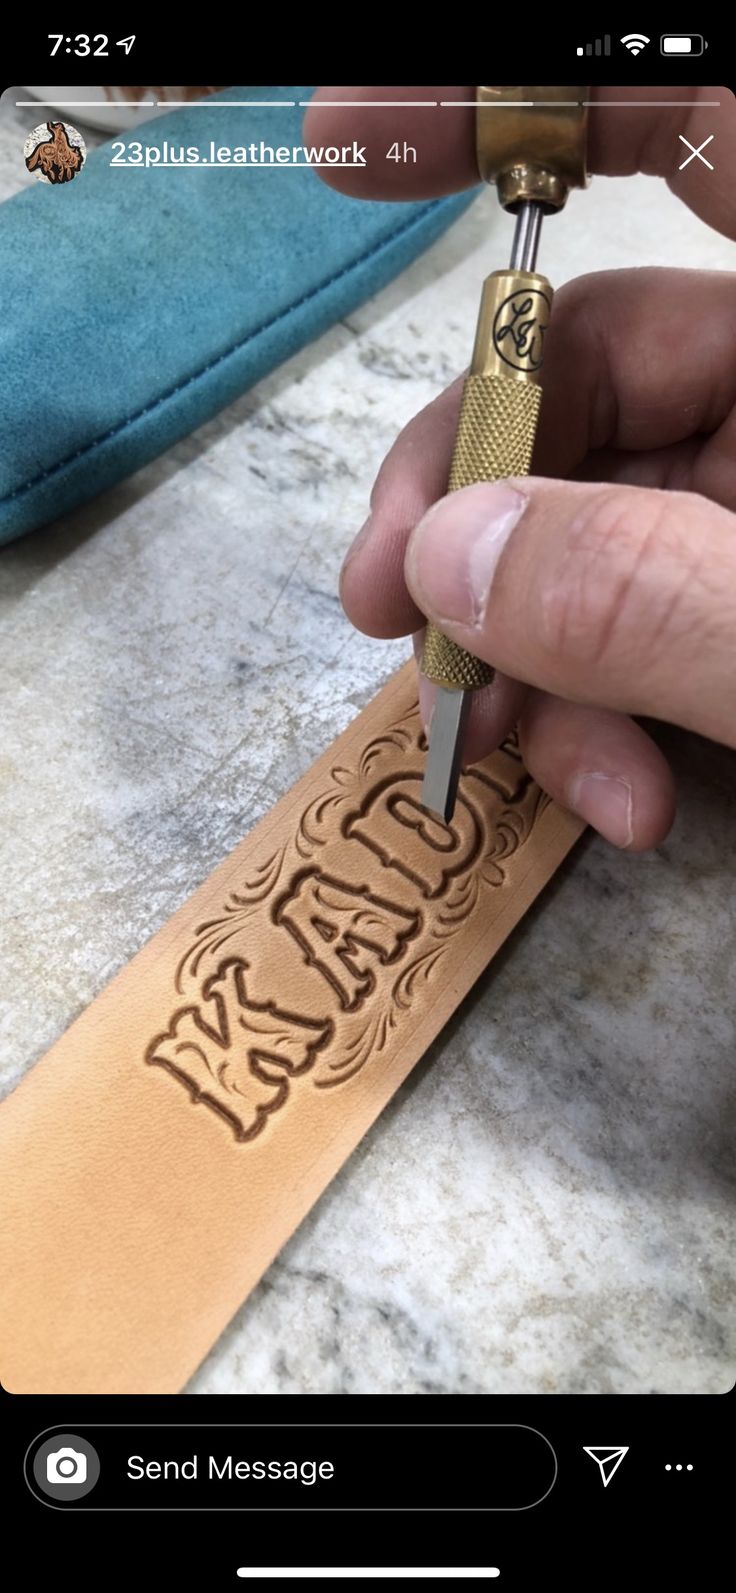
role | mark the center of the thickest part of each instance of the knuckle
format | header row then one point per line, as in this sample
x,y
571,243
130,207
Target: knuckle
x,y
622,579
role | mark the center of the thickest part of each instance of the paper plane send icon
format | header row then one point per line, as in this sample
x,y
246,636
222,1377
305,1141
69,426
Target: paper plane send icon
x,y
607,1458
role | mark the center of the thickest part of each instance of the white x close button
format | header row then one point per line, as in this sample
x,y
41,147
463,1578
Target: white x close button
x,y
696,152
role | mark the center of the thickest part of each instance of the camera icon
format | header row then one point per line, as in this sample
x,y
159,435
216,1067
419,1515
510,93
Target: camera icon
x,y
66,1465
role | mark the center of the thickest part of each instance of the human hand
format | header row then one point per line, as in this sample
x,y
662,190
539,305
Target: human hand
x,y
611,593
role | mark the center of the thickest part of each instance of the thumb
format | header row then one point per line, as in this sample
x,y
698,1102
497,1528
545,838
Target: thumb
x,y
620,596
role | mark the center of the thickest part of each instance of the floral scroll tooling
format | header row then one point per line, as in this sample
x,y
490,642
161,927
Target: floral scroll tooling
x,y
329,947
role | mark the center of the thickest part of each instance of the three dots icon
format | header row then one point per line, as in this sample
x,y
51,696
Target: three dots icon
x,y
677,1468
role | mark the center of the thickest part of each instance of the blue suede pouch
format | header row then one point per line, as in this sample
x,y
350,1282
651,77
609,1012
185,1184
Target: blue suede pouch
x,y
137,302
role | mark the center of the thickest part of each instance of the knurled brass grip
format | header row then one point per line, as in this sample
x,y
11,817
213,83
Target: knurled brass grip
x,y
497,425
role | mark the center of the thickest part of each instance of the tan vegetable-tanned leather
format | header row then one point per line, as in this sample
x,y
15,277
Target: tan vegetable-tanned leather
x,y
159,1156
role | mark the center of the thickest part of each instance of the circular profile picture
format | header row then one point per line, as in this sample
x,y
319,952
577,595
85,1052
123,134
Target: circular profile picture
x,y
55,152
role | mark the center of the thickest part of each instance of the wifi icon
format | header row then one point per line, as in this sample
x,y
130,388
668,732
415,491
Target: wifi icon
x,y
635,42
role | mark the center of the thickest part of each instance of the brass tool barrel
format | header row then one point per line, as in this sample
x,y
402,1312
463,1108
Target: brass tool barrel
x,y
531,143
498,420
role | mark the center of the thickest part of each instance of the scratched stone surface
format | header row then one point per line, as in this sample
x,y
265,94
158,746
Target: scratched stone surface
x,y
547,1204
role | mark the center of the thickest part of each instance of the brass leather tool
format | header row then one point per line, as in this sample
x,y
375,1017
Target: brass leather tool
x,y
531,142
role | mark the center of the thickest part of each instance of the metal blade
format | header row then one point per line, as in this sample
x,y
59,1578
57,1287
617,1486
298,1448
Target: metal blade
x,y
442,771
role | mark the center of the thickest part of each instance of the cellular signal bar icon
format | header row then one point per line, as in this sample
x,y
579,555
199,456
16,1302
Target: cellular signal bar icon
x,y
598,47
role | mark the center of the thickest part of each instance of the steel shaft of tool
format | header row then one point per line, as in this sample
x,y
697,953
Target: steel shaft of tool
x,y
452,702
525,246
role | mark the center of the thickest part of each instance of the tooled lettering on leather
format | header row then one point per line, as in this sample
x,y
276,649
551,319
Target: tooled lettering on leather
x,y
365,896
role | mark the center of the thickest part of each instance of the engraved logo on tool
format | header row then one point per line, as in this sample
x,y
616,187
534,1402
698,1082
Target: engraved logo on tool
x,y
309,969
519,326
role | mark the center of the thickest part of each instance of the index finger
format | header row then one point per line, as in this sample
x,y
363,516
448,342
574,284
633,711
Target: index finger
x,y
438,123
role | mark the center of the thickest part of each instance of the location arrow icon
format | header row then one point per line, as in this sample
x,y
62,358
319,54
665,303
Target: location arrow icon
x,y
608,1458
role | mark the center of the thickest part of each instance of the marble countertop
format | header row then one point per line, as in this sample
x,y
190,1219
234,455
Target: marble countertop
x,y
547,1204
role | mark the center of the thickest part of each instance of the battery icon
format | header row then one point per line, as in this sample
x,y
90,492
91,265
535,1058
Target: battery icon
x,y
682,44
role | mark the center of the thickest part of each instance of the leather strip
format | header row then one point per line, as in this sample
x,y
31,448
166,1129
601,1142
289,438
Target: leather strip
x,y
161,1153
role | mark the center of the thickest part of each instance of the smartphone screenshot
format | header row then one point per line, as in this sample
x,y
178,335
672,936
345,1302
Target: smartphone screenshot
x,y
368,791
